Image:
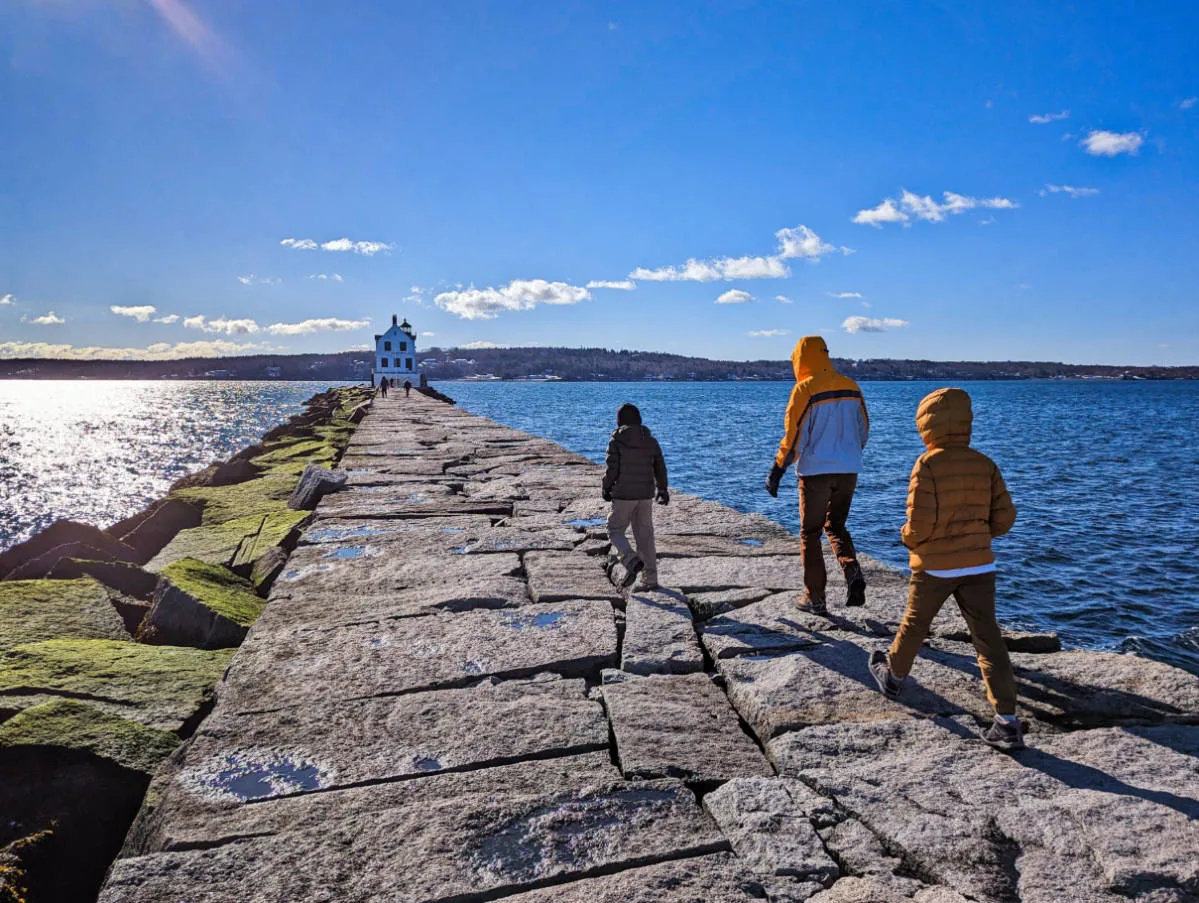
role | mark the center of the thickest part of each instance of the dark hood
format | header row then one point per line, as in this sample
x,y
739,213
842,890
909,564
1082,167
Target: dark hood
x,y
633,435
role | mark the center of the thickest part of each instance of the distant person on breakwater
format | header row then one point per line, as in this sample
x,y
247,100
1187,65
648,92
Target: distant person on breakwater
x,y
824,431
957,502
383,386
407,387
635,468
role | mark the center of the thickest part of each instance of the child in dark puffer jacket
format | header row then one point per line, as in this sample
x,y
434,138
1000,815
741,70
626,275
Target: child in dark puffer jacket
x,y
635,469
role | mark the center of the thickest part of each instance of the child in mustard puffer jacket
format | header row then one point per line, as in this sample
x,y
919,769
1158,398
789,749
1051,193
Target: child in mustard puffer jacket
x,y
957,503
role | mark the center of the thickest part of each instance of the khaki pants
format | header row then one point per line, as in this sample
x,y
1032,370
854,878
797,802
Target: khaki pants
x,y
824,501
976,598
639,513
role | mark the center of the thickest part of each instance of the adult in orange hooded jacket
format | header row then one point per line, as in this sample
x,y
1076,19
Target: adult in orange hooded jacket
x,y
824,431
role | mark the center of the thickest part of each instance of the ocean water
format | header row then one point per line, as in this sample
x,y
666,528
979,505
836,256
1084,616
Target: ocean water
x,y
99,451
1105,477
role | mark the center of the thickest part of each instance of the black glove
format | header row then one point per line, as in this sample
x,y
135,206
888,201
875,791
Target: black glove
x,y
772,481
606,494
663,497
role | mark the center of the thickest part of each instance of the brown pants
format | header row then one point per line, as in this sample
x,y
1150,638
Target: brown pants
x,y
976,598
824,501
639,513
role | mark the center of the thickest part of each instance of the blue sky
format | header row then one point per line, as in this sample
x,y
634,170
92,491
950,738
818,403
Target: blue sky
x,y
940,180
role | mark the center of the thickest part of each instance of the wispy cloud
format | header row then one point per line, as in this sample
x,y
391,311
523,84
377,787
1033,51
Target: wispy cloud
x,y
871,324
624,285
49,319
168,319
188,26
330,277
1070,190
799,242
845,294
1187,102
1101,143
141,313
735,296
7,299
1043,118
519,294
428,335
160,351
783,299
324,324
259,280
923,207
222,325
475,346
365,248
765,333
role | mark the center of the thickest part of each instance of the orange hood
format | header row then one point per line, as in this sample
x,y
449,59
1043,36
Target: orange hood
x,y
945,418
810,357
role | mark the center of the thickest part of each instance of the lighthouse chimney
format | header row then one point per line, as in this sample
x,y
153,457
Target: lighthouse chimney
x,y
393,319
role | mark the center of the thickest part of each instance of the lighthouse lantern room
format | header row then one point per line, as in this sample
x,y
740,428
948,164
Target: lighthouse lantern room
x,y
395,352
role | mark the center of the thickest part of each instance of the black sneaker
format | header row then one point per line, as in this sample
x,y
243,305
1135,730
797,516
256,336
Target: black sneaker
x,y
812,606
857,594
1005,735
632,569
888,683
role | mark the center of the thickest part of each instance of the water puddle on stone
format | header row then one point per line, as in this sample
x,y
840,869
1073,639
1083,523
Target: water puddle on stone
x,y
247,776
547,620
425,763
346,552
586,522
333,534
453,529
756,543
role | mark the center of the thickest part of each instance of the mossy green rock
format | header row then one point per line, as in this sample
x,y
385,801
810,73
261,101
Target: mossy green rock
x,y
200,604
221,543
159,686
222,504
32,610
71,724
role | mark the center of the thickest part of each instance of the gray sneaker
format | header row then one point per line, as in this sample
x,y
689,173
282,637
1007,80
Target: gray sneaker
x,y
880,669
812,606
1005,735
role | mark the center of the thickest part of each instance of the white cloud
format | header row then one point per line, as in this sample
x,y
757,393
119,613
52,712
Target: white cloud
x,y
624,285
259,280
1187,103
734,296
783,299
168,319
1070,190
428,334
799,242
766,333
925,208
323,277
7,299
141,313
886,212
1044,118
50,319
223,325
845,294
160,351
309,327
519,294
871,324
365,248
1101,143
803,242
473,346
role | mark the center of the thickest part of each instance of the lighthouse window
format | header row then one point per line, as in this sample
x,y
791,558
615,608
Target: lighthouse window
x,y
382,362
387,346
409,363
403,346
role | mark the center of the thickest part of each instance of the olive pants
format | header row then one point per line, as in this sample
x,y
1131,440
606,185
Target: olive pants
x,y
975,596
824,501
639,513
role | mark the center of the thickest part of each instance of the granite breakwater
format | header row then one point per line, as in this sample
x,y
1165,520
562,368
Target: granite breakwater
x,y
444,699
112,640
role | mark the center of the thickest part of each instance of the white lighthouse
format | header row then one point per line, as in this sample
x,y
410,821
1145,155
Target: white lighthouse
x,y
395,352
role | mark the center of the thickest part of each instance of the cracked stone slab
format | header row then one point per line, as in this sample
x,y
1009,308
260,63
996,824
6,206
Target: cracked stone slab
x,y
455,849
350,531
555,576
708,574
392,737
771,823
873,890
698,545
433,501
771,627
659,637
718,878
679,726
1098,815
286,667
722,601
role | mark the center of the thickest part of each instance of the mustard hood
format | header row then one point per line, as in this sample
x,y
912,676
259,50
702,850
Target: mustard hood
x,y
810,357
945,418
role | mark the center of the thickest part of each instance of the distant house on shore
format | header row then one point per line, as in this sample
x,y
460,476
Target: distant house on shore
x,y
395,352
